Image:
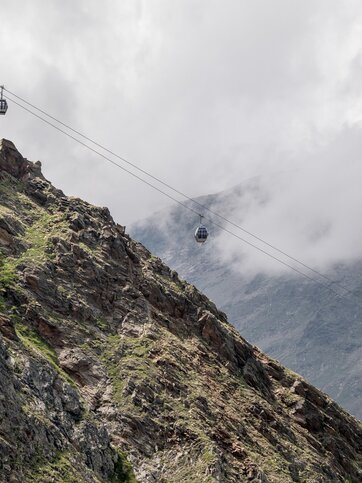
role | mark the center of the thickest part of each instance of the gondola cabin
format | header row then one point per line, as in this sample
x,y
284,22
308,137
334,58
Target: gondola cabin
x,y
3,106
201,232
3,103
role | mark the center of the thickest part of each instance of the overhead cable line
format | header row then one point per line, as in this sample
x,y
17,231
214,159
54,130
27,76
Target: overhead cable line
x,y
167,185
176,200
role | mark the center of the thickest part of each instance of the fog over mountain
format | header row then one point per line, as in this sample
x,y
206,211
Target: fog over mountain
x,y
311,212
300,322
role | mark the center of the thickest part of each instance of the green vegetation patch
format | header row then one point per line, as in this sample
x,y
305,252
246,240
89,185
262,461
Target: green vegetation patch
x,y
7,273
33,341
2,305
36,237
102,324
61,468
124,357
123,471
168,283
35,412
10,186
94,252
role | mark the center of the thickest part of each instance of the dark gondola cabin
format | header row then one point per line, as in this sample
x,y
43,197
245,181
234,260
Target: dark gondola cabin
x,y
3,106
3,103
201,232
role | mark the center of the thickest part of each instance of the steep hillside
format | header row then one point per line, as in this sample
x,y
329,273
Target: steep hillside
x,y
105,352
293,319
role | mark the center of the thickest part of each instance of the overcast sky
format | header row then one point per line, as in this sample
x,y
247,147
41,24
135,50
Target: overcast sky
x,y
204,94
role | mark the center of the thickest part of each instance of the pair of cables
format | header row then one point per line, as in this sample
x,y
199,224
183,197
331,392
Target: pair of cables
x,y
186,202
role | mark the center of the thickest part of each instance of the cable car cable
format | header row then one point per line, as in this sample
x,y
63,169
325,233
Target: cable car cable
x,y
180,202
282,252
103,156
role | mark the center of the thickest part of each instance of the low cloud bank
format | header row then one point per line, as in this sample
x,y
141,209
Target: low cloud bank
x,y
312,212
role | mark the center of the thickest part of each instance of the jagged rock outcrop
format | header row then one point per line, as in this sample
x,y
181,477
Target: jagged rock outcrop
x,y
104,351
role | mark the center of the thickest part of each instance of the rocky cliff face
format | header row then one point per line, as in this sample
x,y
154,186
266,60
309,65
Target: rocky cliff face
x,y
105,352
295,320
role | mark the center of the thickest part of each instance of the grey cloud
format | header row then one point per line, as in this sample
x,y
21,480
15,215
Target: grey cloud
x,y
311,213
203,94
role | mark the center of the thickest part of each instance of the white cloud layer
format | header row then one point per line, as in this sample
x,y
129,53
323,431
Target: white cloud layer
x,y
312,213
204,94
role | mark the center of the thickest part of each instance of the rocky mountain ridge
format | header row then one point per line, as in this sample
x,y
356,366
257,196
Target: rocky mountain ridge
x,y
105,352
